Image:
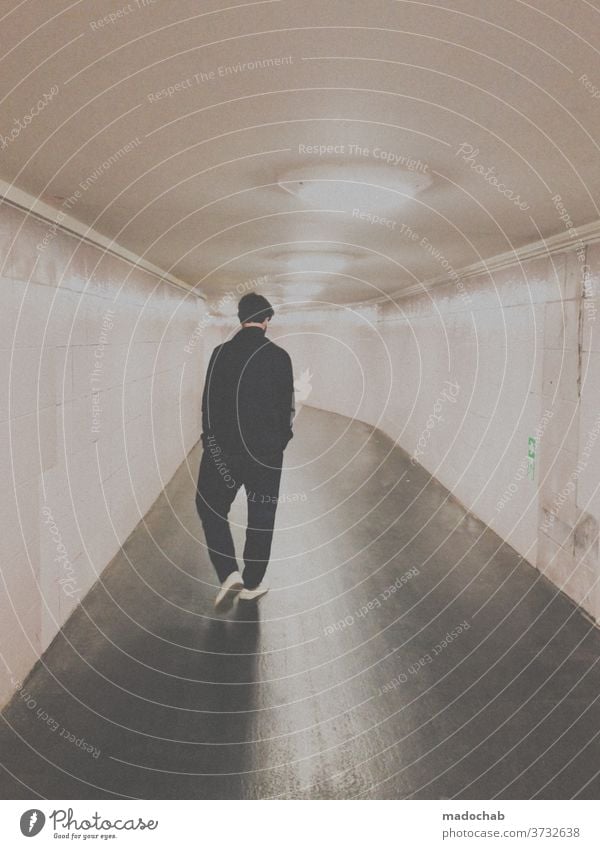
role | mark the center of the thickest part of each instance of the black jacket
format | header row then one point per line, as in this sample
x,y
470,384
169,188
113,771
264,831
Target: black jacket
x,y
248,398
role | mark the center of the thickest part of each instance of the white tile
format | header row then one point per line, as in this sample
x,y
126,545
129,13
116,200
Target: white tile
x,y
33,322
8,312
82,423
562,325
86,372
63,371
34,443
32,380
562,429
19,508
5,360
573,279
561,372
123,509
114,451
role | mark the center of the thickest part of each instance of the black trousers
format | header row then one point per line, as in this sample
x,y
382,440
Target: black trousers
x,y
219,479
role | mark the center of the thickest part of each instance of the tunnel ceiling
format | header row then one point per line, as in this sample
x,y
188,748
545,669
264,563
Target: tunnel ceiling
x,y
343,149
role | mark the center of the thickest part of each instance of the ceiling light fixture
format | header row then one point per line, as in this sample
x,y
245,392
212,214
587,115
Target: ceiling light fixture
x,y
377,187
316,262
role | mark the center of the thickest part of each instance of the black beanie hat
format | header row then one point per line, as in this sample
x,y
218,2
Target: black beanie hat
x,y
253,307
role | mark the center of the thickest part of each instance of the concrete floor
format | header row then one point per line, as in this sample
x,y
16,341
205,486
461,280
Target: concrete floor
x,y
273,700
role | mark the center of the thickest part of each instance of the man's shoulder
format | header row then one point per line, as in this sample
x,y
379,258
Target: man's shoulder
x,y
215,352
277,351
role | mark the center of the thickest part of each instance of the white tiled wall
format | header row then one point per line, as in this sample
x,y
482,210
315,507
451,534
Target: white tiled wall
x,y
523,347
99,404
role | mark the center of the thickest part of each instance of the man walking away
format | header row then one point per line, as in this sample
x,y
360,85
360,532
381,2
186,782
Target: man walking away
x,y
247,416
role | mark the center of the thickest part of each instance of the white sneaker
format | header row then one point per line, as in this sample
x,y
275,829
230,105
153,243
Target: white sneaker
x,y
256,593
229,589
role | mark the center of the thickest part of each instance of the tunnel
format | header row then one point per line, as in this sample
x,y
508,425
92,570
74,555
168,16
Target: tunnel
x,y
413,189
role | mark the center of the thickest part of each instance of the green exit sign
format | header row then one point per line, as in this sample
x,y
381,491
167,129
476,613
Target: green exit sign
x,y
531,449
